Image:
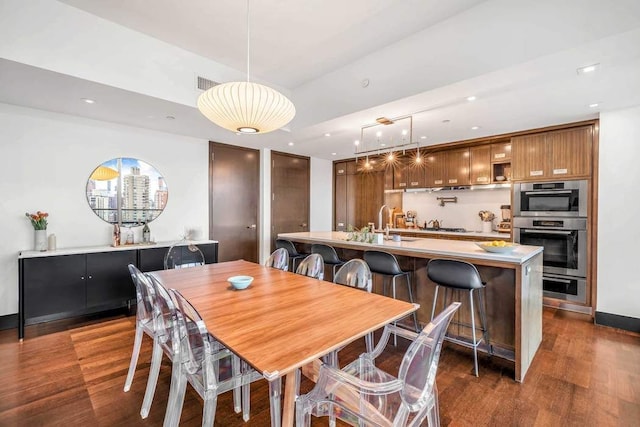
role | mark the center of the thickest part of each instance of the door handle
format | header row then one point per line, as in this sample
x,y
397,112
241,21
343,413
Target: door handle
x,y
253,226
566,233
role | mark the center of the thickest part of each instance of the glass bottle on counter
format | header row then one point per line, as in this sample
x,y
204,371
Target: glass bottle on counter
x,y
146,233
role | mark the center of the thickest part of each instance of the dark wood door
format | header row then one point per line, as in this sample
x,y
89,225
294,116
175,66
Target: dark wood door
x,y
290,194
234,188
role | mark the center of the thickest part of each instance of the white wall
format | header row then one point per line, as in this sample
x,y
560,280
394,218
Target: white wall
x,y
47,159
462,214
618,213
321,209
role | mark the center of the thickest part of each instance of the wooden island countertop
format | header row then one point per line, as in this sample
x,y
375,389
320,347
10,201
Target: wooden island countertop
x,y
513,291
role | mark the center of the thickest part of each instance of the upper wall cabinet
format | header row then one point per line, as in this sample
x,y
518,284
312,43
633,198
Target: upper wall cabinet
x,y
480,162
448,168
457,169
552,155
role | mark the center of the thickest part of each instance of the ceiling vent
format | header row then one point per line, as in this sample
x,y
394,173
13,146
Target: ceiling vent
x,y
206,84
384,121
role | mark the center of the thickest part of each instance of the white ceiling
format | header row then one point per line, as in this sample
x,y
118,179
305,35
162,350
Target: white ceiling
x,y
422,58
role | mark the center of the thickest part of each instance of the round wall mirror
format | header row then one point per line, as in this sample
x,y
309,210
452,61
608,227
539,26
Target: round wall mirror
x,y
127,191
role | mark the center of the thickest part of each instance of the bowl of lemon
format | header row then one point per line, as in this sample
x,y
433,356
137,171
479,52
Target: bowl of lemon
x,y
497,246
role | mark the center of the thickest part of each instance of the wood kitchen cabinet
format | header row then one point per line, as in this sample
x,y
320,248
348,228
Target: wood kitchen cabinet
x,y
457,167
557,154
480,164
345,194
436,169
408,173
401,173
416,173
370,192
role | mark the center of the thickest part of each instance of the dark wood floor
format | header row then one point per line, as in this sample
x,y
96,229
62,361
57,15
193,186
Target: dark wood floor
x,y
583,375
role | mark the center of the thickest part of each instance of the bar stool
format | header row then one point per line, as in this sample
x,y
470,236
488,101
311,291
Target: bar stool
x,y
459,276
329,256
294,255
386,265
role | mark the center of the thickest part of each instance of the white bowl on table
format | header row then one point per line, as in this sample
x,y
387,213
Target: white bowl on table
x,y
240,282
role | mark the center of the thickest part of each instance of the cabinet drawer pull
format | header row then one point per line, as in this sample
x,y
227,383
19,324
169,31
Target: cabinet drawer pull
x,y
453,181
341,224
81,277
499,156
437,181
90,277
402,184
559,171
482,179
414,183
535,173
340,170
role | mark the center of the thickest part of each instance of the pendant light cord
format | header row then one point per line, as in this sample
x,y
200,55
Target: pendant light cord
x,y
248,44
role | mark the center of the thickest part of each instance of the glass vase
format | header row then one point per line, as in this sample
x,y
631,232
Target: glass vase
x,y
40,240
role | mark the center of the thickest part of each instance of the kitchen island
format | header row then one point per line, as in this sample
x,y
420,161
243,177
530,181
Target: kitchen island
x,y
513,292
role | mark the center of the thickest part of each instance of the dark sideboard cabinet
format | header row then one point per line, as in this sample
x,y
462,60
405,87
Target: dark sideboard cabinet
x,y
59,286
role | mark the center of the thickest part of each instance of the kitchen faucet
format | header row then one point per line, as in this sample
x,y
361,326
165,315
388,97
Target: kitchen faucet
x,y
380,216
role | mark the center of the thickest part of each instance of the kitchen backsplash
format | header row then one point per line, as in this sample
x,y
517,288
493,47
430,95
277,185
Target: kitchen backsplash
x,y
464,213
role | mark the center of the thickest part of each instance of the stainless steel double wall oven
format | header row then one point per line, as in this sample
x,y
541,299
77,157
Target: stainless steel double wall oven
x,y
554,215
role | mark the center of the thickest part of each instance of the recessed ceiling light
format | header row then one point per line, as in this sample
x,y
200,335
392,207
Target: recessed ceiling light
x,y
587,69
170,118
423,137
88,101
356,142
475,127
333,154
291,144
327,134
378,134
471,98
594,105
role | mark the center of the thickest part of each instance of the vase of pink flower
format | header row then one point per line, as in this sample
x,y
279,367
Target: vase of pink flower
x,y
39,223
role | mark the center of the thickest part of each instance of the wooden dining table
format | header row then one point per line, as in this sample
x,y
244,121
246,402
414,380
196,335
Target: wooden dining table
x,y
282,321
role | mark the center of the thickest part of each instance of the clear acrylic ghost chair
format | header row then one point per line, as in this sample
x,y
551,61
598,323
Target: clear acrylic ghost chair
x,y
356,274
203,361
278,259
361,394
182,255
294,255
312,266
166,340
145,298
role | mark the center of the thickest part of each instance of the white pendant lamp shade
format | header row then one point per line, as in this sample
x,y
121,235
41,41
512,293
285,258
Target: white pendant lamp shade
x,y
246,107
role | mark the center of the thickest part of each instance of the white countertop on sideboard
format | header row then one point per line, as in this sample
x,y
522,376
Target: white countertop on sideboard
x,y
419,246
107,248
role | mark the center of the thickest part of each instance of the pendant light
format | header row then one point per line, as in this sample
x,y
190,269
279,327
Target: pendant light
x,y
246,107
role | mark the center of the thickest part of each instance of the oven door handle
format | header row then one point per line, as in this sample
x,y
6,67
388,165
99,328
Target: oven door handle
x,y
566,233
553,279
528,193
